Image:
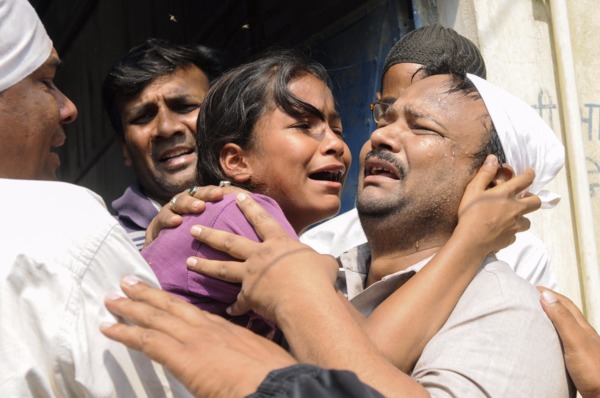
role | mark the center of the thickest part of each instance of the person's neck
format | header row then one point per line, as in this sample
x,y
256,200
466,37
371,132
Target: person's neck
x,y
389,260
161,200
395,248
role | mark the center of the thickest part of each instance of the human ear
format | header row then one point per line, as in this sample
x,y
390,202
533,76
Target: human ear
x,y
234,162
378,96
503,174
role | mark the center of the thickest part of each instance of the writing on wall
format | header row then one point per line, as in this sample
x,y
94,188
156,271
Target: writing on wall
x,y
546,107
590,122
594,176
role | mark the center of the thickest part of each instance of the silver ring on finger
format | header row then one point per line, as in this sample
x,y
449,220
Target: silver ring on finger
x,y
172,202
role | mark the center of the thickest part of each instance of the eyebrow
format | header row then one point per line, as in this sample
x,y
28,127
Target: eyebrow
x,y
388,100
51,66
138,109
307,109
417,114
143,107
178,98
334,115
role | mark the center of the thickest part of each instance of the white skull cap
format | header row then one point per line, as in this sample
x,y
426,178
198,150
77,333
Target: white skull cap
x,y
24,43
526,139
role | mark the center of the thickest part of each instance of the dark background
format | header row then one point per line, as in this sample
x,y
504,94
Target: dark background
x,y
350,37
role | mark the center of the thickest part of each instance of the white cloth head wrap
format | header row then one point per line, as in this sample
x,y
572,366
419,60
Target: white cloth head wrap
x,y
526,139
24,43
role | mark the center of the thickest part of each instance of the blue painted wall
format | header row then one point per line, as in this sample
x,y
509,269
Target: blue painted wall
x,y
354,52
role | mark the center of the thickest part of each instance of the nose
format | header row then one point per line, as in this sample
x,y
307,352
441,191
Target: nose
x,y
67,109
386,138
168,123
334,144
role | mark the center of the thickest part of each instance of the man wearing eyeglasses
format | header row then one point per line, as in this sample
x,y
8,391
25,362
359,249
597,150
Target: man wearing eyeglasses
x,y
528,255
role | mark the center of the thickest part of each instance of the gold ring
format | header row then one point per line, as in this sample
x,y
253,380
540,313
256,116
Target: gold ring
x,y
172,202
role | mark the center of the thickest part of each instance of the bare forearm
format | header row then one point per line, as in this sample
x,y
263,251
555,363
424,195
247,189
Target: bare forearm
x,y
322,332
488,219
403,324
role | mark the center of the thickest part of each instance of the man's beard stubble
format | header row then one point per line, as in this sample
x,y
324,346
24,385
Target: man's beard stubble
x,y
401,224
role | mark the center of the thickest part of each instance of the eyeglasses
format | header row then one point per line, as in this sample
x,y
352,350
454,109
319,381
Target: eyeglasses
x,y
379,111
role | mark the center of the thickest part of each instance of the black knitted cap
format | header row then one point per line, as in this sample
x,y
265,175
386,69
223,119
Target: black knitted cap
x,y
426,44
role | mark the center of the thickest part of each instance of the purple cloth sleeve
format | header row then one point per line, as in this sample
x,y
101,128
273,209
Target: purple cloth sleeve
x,y
167,255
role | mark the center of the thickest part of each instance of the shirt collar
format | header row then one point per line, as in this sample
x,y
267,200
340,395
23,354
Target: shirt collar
x,y
354,267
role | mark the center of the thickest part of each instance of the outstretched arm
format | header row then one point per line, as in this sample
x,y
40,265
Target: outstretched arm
x,y
212,357
580,340
215,358
289,283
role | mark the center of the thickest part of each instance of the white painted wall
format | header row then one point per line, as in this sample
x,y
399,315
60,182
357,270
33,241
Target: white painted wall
x,y
584,21
517,40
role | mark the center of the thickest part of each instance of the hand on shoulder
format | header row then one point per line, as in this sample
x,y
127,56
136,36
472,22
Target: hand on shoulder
x,y
580,340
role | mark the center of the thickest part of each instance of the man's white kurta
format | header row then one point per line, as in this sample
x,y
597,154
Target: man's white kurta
x,y
62,252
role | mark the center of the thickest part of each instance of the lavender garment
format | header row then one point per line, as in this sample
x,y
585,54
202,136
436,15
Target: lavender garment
x,y
167,255
134,211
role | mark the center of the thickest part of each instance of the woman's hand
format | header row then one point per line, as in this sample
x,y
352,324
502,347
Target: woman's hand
x,y
580,340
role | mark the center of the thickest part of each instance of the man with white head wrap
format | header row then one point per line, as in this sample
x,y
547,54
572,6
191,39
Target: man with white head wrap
x,y
32,108
527,256
526,140
58,261
497,341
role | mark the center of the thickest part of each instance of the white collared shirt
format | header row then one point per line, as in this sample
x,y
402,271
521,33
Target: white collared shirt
x,y
61,254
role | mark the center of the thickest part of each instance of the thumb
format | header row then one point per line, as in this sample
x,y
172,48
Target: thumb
x,y
564,321
479,184
485,175
238,307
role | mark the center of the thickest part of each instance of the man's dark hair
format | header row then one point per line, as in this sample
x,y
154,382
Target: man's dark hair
x,y
240,97
443,65
146,62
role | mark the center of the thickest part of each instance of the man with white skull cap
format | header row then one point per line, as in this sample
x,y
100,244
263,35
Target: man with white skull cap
x,y
58,259
32,108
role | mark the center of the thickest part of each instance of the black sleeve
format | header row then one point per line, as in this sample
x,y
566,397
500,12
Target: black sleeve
x,y
308,381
